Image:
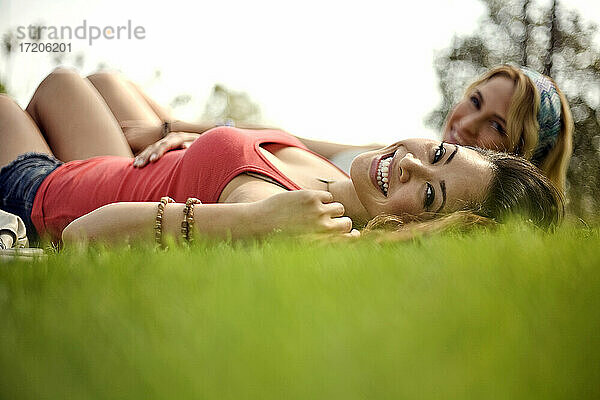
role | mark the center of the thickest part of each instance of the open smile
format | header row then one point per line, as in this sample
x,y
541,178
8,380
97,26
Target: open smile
x,y
381,171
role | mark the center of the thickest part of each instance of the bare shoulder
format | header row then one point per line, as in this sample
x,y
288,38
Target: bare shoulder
x,y
247,189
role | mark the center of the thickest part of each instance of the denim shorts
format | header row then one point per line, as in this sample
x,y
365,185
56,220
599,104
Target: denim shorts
x,y
19,182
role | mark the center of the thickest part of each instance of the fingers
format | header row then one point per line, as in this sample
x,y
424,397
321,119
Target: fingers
x,y
155,151
341,224
334,209
141,159
354,233
161,149
323,195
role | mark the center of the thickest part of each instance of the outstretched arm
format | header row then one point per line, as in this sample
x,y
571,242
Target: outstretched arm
x,y
329,149
120,222
185,133
300,211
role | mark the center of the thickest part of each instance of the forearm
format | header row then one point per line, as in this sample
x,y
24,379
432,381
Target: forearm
x,y
183,126
141,136
326,149
201,127
124,222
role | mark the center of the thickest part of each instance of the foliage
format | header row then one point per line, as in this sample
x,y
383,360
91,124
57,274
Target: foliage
x,y
443,317
551,40
225,104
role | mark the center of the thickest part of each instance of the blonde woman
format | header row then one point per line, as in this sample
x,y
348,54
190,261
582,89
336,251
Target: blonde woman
x,y
519,111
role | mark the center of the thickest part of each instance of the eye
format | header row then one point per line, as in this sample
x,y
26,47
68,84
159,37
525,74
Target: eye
x,y
497,126
439,153
429,195
475,101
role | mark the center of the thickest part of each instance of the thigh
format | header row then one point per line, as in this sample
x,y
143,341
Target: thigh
x,y
18,133
124,100
74,118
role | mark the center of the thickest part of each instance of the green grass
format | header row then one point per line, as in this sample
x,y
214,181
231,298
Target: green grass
x,y
508,314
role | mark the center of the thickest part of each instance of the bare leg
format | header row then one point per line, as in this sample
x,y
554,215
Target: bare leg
x,y
163,113
131,106
74,119
123,99
18,132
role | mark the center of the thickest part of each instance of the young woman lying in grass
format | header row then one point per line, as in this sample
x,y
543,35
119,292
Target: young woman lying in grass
x,y
251,182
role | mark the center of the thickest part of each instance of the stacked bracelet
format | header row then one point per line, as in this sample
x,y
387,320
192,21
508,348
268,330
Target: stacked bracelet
x,y
159,216
187,225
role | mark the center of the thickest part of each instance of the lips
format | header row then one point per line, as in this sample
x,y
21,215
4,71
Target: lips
x,y
376,171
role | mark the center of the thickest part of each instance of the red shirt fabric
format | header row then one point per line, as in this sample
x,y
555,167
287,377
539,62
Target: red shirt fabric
x,y
202,171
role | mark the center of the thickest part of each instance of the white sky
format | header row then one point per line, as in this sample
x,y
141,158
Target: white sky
x,y
347,71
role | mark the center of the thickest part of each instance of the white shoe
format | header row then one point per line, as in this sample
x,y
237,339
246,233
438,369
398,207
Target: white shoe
x,y
24,254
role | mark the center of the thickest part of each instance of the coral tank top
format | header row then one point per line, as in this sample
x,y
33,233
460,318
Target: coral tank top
x,y
203,170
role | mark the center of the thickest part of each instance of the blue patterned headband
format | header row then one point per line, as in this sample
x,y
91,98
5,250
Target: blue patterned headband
x,y
548,115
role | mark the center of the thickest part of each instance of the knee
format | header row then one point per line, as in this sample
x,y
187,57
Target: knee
x,y
8,108
5,98
7,102
58,81
106,78
61,76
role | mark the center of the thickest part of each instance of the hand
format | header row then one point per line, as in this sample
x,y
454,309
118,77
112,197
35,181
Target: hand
x,y
302,211
173,141
139,133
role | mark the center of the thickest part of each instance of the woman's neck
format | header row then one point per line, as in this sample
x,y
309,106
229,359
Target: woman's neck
x,y
343,192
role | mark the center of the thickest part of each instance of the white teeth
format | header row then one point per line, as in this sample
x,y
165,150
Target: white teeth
x,y
383,174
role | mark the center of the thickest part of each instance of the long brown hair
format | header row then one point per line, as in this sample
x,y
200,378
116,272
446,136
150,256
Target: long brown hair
x,y
517,187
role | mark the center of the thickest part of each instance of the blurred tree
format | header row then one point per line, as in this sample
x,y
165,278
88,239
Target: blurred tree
x,y
180,100
225,104
10,48
552,40
9,43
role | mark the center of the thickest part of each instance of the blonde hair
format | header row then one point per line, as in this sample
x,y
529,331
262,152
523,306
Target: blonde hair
x,y
522,125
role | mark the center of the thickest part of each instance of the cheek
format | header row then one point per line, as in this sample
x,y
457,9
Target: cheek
x,y
403,202
493,141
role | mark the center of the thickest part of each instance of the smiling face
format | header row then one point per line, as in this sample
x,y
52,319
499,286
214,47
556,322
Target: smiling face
x,y
480,118
419,177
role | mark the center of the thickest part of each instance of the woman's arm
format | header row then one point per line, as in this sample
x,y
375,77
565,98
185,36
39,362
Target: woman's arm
x,y
120,222
328,149
294,212
183,135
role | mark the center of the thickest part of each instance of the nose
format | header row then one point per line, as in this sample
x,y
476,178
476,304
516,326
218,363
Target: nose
x,y
410,166
468,126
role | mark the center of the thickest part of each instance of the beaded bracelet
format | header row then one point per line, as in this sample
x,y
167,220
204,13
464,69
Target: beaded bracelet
x,y
187,225
159,215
